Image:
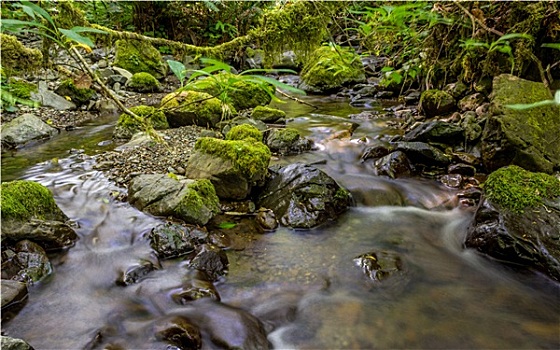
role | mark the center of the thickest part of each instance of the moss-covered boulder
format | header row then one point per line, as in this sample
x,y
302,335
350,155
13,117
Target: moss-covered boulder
x,y
287,141
244,131
79,96
193,201
528,138
28,211
184,108
329,69
242,94
233,166
143,82
518,221
303,196
127,125
16,58
267,114
435,102
138,56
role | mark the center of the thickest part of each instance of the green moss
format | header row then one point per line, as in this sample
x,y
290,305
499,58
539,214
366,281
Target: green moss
x,y
143,82
199,202
68,15
138,56
267,114
244,131
329,68
516,189
194,107
287,135
79,96
248,156
24,200
21,88
152,117
435,102
17,58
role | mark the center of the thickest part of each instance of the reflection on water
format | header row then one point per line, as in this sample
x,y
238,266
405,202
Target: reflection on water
x,y
304,286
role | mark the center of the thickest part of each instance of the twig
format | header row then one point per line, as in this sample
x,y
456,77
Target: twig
x,y
479,22
296,99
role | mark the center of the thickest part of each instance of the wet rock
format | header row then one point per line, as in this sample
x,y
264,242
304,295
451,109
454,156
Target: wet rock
x,y
196,285
303,196
471,102
423,153
13,294
48,98
436,102
452,180
211,260
376,151
266,219
528,138
9,343
172,240
412,97
267,114
135,273
287,141
461,168
233,166
193,201
51,235
27,263
395,164
178,331
471,126
24,129
457,90
436,131
378,266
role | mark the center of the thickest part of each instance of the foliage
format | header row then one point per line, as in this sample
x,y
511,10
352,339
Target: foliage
x,y
15,92
516,189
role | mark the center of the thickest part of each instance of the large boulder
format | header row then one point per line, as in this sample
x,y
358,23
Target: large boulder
x,y
329,69
24,129
233,166
143,82
28,211
518,221
184,108
127,126
138,56
528,138
193,201
303,196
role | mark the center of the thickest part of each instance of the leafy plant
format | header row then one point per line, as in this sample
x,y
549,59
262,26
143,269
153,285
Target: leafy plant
x,y
501,45
523,106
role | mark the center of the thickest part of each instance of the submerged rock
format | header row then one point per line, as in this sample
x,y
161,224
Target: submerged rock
x,y
193,201
13,294
519,220
303,196
210,259
528,138
378,266
24,129
196,285
178,331
395,164
172,240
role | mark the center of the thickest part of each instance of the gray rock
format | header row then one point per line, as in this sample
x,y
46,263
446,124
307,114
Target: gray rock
x,y
105,73
27,263
106,107
179,332
123,72
9,343
172,240
48,98
210,259
527,138
303,196
24,129
395,164
471,102
49,234
287,141
193,201
12,293
380,265
436,131
423,153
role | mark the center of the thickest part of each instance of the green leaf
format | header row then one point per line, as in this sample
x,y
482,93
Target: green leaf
x,y
522,106
38,10
227,225
277,84
17,24
73,36
557,97
552,45
178,68
88,30
387,69
26,9
515,36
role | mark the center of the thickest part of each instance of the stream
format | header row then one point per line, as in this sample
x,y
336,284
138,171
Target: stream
x,y
305,286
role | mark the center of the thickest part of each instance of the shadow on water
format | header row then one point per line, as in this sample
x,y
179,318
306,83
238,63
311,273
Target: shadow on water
x,y
305,286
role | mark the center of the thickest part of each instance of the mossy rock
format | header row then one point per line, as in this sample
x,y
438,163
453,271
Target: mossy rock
x,y
16,58
127,126
21,88
516,189
287,141
435,102
137,56
233,166
143,82
24,200
244,131
268,114
527,138
199,203
78,95
241,94
328,69
184,108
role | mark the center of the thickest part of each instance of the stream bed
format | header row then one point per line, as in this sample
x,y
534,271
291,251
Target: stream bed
x,y
305,286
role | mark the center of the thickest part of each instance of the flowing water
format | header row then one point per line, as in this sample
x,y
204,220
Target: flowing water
x,y
305,286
